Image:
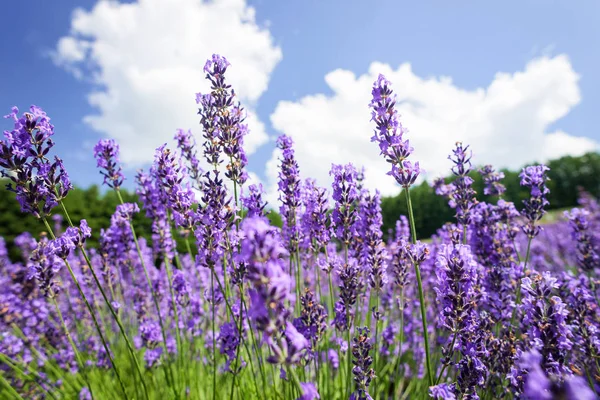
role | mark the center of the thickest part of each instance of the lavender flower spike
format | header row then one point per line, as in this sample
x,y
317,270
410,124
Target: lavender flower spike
x,y
534,177
389,133
106,153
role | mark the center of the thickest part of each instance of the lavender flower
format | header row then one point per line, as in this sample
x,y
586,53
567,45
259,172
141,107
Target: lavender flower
x,y
350,286
345,195
314,219
38,183
587,257
225,120
186,144
534,177
362,371
44,268
290,196
492,179
463,194
254,201
545,319
313,320
229,340
443,391
106,153
538,385
151,337
389,133
179,198
375,253
262,251
309,391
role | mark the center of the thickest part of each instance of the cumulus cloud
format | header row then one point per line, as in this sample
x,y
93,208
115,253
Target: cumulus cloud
x,y
507,123
145,60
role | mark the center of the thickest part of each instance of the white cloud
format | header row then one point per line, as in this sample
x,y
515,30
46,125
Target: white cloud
x,y
506,124
146,61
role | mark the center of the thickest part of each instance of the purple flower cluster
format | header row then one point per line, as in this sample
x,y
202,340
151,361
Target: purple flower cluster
x,y
463,194
492,179
106,153
290,192
587,257
389,133
534,177
39,183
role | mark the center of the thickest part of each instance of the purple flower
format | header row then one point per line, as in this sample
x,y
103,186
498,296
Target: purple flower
x,y
289,192
262,251
314,219
85,394
151,337
545,319
492,179
229,340
223,121
179,198
362,371
309,391
534,177
288,349
463,195
44,267
374,254
313,319
538,385
587,257
253,201
443,391
350,286
186,145
39,184
389,133
181,288
106,153
345,196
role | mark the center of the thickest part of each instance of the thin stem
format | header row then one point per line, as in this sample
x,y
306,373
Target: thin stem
x,y
91,311
72,343
9,388
14,365
420,287
214,338
112,311
169,375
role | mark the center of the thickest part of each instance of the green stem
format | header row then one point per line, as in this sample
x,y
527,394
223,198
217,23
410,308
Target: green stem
x,y
169,373
113,313
214,338
413,231
72,343
295,379
14,366
9,388
91,311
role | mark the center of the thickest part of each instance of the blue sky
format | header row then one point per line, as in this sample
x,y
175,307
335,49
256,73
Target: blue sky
x,y
467,41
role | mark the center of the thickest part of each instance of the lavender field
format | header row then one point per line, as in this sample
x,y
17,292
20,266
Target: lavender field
x,y
495,305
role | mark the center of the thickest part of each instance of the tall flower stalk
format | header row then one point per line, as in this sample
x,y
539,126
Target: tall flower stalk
x,y
389,133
